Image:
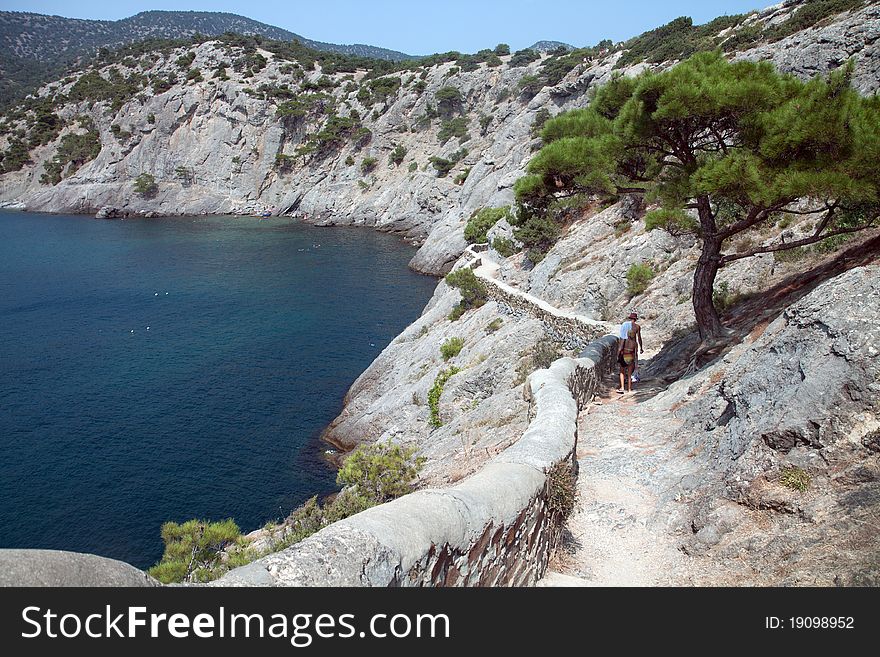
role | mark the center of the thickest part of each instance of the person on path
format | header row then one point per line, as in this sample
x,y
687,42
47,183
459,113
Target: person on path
x,y
628,343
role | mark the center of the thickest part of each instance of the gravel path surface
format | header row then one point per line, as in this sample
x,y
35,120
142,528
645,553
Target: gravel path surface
x,y
624,529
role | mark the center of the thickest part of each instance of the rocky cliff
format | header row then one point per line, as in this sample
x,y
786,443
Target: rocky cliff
x,y
215,145
223,129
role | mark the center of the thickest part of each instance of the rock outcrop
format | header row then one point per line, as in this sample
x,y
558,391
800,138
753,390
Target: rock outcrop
x,y
58,568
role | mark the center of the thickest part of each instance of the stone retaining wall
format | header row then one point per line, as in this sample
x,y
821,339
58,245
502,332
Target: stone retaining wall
x,y
573,331
496,528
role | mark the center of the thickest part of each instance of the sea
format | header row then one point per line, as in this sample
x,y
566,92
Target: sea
x,y
179,367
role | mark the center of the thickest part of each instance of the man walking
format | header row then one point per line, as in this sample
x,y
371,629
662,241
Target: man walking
x,y
632,324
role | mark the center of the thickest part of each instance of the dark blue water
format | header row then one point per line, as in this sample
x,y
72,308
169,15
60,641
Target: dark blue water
x,y
256,331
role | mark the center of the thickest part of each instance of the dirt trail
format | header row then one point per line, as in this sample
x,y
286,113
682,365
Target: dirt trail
x,y
623,530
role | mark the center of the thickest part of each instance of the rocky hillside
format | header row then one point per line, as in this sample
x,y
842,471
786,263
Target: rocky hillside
x,y
33,47
54,39
230,127
235,127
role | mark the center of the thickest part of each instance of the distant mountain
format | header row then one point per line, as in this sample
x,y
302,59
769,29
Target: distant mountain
x,y
54,39
547,46
35,48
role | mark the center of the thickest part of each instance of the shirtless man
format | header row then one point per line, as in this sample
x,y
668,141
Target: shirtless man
x,y
621,340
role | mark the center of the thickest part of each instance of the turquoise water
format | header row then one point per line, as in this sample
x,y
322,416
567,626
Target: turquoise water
x,y
165,369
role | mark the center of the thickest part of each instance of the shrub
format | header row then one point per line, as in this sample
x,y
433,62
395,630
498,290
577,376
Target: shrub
x,y
397,155
473,291
457,127
538,233
74,151
561,489
622,227
193,550
530,85
448,100
380,472
368,164
637,279
186,60
413,167
145,185
436,391
194,75
795,478
451,348
539,357
284,163
15,156
151,118
481,222
504,247
349,161
502,49
541,118
186,175
442,165
494,325
461,177
523,57
723,298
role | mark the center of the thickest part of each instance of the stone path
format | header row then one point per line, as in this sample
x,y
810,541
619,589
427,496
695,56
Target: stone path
x,y
623,530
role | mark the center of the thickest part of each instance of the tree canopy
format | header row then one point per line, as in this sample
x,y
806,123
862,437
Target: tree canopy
x,y
722,148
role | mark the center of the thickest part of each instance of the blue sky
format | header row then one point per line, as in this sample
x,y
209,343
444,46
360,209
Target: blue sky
x,y
421,27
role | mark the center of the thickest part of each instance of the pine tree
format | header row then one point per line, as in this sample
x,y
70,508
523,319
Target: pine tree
x,y
724,148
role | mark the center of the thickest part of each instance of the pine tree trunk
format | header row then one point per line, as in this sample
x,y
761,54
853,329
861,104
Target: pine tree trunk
x,y
708,321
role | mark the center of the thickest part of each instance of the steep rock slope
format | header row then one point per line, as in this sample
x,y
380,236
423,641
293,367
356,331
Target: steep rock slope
x,y
218,145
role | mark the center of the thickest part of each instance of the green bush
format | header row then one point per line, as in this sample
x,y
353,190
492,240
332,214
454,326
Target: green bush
x,y
494,325
504,246
485,122
193,550
502,49
539,357
795,478
145,185
380,472
473,291
481,222
451,348
397,155
15,156
530,85
349,161
413,167
561,489
538,233
73,152
194,75
186,60
457,127
448,101
523,57
637,279
462,176
368,164
435,393
541,117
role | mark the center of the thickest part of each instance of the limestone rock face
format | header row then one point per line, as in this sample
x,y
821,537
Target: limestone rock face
x,y
854,35
212,145
806,383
